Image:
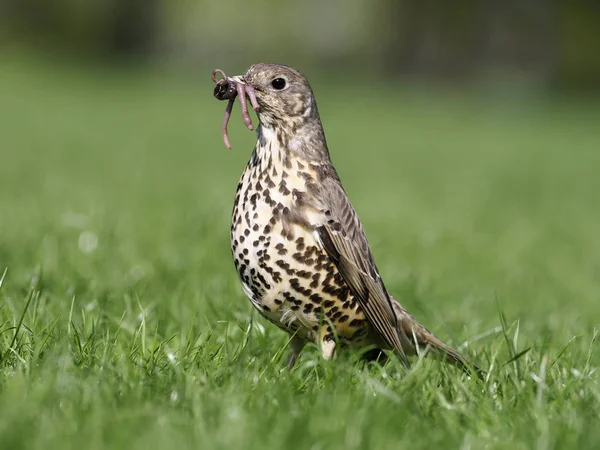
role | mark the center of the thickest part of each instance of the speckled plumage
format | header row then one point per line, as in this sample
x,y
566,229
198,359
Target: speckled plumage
x,y
285,273
297,243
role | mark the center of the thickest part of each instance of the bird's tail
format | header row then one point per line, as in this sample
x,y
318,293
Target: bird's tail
x,y
415,334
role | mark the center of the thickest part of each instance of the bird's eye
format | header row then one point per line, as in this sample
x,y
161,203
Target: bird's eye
x,y
278,83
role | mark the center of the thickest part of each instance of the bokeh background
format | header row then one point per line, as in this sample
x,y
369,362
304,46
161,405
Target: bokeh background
x,y
467,135
547,43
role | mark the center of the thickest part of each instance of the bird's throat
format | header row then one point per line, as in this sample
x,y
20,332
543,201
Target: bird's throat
x,y
304,141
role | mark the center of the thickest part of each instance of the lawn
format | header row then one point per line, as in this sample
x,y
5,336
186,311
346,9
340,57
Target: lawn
x,y
123,324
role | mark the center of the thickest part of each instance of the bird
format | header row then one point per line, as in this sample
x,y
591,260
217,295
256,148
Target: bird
x,y
298,245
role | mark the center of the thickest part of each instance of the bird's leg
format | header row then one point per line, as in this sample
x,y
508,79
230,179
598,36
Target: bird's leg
x,y
327,343
297,345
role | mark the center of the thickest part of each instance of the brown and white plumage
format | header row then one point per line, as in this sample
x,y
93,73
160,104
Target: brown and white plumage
x,y
298,245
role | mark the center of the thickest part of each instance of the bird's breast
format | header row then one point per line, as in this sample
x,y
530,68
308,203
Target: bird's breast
x,y
284,270
268,214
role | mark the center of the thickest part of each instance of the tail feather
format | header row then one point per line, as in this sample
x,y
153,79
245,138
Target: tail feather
x,y
449,354
415,334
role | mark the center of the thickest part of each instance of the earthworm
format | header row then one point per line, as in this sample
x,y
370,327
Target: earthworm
x,y
228,88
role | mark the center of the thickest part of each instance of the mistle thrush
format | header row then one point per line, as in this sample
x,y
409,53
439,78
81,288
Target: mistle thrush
x,y
297,243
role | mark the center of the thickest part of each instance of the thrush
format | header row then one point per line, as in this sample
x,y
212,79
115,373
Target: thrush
x,y
297,243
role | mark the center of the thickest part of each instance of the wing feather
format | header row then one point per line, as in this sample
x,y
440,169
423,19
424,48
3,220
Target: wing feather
x,y
342,236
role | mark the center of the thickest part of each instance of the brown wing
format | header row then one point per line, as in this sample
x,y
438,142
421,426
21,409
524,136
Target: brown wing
x,y
344,240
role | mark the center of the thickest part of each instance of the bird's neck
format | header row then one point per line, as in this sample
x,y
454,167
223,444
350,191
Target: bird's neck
x,y
303,140
292,161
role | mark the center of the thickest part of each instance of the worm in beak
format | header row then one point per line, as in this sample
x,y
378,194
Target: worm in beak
x,y
228,88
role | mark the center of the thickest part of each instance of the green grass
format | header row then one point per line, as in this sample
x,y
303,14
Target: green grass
x,y
123,325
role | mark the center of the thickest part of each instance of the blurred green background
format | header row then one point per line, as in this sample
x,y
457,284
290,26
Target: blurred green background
x,y
548,43
466,135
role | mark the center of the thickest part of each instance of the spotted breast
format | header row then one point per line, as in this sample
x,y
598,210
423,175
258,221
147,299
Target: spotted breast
x,y
287,276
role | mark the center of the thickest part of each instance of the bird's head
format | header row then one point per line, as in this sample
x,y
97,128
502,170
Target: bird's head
x,y
280,95
283,94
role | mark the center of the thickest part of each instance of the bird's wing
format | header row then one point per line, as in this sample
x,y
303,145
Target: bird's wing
x,y
343,238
